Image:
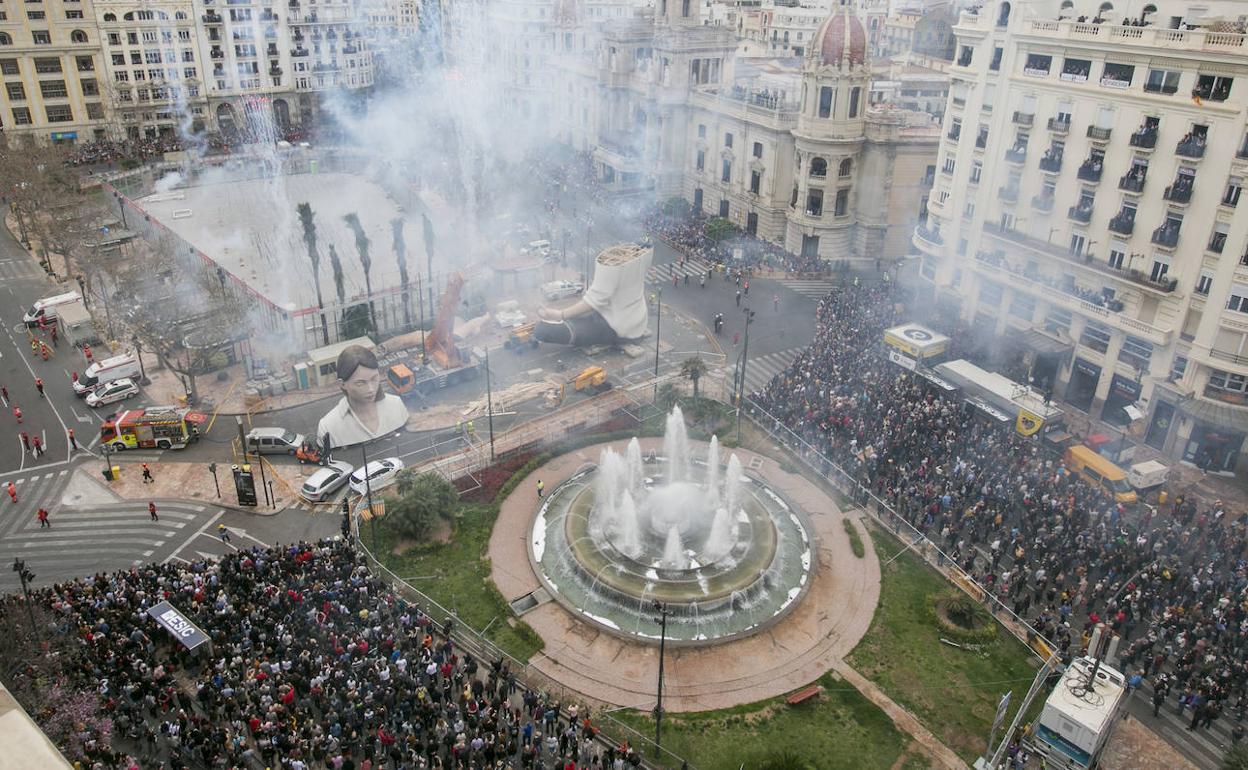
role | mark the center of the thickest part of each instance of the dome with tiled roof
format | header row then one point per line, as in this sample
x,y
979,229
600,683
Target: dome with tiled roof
x,y
841,38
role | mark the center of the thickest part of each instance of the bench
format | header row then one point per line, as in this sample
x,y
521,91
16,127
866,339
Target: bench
x,y
803,695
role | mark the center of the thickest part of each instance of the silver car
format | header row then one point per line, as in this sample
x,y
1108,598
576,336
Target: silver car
x,y
322,485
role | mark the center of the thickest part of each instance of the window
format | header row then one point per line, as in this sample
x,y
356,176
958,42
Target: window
x,y
990,294
85,63
1215,88
121,76
995,64
9,67
1038,65
965,56
36,15
89,87
1238,300
756,181
119,60
1233,188
47,66
969,210
1077,242
818,167
59,113
758,150
700,163
1095,336
827,95
949,165
725,175
1117,255
53,89
17,91
728,140
1058,320
1023,306
977,170
21,116
1076,70
846,169
1161,266
73,14
723,208
1136,352
701,131
814,203
1117,75
1217,241
1226,381
1162,82
1178,368
41,37
855,95
95,111
842,203
1204,283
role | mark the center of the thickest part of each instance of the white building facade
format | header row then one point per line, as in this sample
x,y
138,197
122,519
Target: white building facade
x,y
1086,210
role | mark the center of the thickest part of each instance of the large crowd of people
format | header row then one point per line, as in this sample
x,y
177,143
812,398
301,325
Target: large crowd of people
x,y
314,663
1172,583
689,235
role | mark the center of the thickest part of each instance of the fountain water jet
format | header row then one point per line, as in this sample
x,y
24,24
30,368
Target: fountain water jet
x,y
674,551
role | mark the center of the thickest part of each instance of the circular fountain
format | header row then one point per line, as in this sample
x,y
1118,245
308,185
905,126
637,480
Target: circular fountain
x,y
725,553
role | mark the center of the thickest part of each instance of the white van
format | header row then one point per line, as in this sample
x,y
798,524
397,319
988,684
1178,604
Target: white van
x,y
45,308
107,370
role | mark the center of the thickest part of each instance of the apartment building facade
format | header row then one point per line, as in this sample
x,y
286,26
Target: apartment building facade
x,y
1086,213
50,71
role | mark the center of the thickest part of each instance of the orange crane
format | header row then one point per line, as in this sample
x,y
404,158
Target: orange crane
x,y
439,344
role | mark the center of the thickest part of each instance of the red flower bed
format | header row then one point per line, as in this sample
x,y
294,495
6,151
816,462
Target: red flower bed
x,y
491,478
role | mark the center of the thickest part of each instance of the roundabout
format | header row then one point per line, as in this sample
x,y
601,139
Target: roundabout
x,y
760,602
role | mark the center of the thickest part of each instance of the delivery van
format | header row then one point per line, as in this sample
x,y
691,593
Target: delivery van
x,y
107,370
1100,472
1147,475
45,309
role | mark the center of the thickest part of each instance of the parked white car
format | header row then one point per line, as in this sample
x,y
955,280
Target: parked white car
x,y
379,473
322,485
561,289
117,390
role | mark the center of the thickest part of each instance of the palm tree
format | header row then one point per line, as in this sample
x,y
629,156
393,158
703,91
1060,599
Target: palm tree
x,y
314,256
361,246
400,255
693,368
335,264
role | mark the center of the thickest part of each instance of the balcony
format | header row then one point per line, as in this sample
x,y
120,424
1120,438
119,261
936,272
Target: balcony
x,y
268,15
1059,126
213,18
1160,88
1122,224
1179,193
1099,134
1016,154
1024,118
930,235
981,141
955,134
1042,203
1145,139
275,71
1191,148
1242,152
965,59
1090,170
1008,193
297,52
1081,214
1166,235
1133,183
1051,163
215,54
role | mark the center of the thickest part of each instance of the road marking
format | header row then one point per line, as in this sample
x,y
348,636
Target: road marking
x,y
198,532
243,532
51,403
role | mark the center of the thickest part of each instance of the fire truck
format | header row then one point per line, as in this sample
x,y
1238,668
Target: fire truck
x,y
158,427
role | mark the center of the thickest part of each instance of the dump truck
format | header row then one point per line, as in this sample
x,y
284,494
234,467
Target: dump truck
x,y
591,378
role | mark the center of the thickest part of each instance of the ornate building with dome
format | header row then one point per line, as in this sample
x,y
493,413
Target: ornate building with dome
x,y
792,150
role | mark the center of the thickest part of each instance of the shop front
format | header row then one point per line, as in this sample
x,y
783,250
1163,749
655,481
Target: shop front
x,y
1123,392
1084,377
1217,435
1159,426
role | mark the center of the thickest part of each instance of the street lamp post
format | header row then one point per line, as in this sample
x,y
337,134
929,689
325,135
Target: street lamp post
x,y
658,330
368,495
745,359
25,575
660,608
489,402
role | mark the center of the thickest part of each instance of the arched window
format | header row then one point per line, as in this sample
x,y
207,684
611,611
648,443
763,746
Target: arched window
x,y
78,36
847,168
110,17
1104,9
128,16
162,16
180,16
1003,17
5,39
818,167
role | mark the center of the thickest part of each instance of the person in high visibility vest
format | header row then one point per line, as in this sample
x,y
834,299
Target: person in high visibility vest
x,y
541,488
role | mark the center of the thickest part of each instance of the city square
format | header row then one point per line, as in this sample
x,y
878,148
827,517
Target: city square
x,y
612,383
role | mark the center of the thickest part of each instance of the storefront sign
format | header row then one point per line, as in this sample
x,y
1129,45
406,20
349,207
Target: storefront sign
x,y
1125,388
1092,370
902,360
178,624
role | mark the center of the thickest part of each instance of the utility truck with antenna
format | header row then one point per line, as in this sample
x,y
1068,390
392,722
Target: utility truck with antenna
x,y
1080,714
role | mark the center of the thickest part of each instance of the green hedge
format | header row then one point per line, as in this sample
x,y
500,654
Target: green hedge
x,y
855,541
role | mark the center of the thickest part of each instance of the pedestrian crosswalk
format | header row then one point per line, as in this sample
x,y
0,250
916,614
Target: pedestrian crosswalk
x,y
662,274
1204,746
19,268
812,288
759,370
83,540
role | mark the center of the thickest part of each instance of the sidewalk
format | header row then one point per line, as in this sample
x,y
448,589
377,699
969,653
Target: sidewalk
x,y
193,481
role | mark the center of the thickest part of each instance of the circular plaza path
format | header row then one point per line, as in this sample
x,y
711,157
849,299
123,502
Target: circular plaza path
x,y
825,626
